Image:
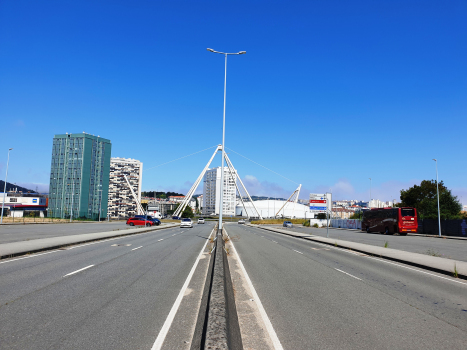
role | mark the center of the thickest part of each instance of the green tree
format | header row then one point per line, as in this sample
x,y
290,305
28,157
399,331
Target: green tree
x,y
424,199
357,215
187,212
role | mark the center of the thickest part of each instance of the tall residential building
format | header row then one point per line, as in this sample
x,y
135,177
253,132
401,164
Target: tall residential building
x,y
79,176
122,204
212,190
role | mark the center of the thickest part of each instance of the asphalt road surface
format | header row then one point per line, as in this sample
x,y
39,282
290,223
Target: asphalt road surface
x,y
113,294
18,233
322,297
445,248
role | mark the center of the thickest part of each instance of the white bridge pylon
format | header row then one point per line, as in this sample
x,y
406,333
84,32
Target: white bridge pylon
x,y
296,193
193,188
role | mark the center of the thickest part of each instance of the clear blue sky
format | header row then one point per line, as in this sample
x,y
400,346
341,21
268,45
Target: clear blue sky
x,y
329,94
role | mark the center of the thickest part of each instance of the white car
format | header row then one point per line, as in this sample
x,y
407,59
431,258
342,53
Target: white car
x,y
201,221
241,221
186,223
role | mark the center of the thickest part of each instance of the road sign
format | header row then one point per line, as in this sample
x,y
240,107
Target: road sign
x,y
318,203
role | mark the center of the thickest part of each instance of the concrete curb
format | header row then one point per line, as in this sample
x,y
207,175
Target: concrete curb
x,y
8,250
408,234
442,265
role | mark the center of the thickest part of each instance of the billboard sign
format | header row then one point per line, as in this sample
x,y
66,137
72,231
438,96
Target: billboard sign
x,y
318,203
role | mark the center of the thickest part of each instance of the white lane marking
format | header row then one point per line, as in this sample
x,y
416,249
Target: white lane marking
x,y
170,317
348,274
161,239
77,246
137,248
272,333
84,268
297,251
410,268
174,234
274,241
370,257
30,256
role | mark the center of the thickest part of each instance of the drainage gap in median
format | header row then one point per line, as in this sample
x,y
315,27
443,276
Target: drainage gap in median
x,y
217,326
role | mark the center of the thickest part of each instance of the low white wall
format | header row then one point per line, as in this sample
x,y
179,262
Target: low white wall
x,y
346,223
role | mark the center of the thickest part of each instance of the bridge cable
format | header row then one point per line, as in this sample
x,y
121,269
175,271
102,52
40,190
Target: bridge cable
x,y
180,158
262,166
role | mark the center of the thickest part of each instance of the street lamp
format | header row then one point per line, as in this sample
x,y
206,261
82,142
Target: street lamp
x,y
4,187
223,132
437,195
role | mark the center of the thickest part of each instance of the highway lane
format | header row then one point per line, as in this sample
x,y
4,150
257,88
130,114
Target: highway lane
x,y
446,248
321,297
18,233
113,294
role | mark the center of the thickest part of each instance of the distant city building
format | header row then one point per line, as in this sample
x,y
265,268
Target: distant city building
x,y
211,192
200,202
79,176
18,204
376,203
122,204
177,199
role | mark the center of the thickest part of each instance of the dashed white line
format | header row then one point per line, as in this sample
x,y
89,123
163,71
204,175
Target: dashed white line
x,y
348,274
274,241
84,268
137,248
161,239
297,251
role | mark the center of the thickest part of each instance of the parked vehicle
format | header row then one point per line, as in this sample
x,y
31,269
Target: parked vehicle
x,y
201,221
241,221
287,224
186,223
176,217
390,220
139,222
156,221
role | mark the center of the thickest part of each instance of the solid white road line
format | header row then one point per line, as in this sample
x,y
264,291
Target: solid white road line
x,y
272,333
84,268
168,322
297,251
348,274
137,248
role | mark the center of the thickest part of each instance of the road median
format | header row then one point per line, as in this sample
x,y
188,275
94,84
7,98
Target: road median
x,y
438,264
12,249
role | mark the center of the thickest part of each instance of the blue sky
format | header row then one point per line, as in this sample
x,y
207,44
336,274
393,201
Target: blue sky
x,y
329,94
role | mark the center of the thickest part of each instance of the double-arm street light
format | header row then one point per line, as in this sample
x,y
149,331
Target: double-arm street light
x,y
4,187
223,132
437,195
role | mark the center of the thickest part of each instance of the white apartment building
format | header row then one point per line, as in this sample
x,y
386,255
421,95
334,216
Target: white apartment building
x,y
122,204
212,190
376,203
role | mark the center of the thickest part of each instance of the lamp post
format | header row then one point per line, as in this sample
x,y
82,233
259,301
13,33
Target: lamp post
x,y
4,187
369,203
223,132
437,195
